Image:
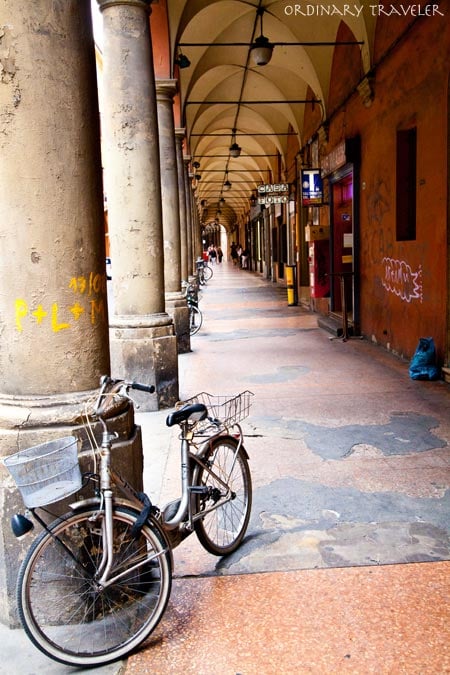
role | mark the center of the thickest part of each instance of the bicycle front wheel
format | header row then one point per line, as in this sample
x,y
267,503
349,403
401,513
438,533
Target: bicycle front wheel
x,y
227,499
64,611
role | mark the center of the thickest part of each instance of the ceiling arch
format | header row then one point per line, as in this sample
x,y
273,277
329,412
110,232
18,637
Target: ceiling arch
x,y
224,97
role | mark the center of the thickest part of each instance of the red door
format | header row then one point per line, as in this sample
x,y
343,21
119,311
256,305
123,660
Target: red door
x,y
342,242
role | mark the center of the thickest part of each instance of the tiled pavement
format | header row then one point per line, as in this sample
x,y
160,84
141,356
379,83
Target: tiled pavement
x,y
345,565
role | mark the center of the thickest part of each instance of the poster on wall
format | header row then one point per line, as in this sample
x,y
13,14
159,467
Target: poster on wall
x,y
312,187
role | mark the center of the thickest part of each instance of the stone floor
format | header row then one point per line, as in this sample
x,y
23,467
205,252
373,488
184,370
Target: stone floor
x,y
345,565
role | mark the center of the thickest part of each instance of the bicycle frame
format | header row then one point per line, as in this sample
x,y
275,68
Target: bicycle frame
x,y
106,505
185,512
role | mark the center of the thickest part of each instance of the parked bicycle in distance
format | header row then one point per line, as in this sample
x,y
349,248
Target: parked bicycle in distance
x,y
191,293
95,583
204,271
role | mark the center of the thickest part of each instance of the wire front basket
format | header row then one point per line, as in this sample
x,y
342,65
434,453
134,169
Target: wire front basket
x,y
228,410
47,472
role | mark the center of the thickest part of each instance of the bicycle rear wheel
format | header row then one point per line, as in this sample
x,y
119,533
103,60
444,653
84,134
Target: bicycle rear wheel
x,y
207,272
195,319
226,476
62,609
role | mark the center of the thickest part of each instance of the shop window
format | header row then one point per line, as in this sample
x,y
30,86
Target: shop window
x,y
283,243
274,244
406,184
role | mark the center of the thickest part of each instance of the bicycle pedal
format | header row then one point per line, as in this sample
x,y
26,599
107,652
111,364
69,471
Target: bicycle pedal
x,y
199,489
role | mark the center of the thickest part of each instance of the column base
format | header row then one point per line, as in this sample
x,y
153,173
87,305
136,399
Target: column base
x,y
25,422
144,349
176,307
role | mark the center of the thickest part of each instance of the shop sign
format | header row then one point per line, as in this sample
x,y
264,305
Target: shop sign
x,y
273,187
272,193
334,160
273,199
312,187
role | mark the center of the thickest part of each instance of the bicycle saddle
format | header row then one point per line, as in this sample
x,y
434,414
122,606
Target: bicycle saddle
x,y
192,411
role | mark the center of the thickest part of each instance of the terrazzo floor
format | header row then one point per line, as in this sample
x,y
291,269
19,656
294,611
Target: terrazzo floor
x,y
345,567
391,619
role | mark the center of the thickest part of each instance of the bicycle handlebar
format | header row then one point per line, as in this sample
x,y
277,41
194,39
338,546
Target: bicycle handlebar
x,y
149,388
110,387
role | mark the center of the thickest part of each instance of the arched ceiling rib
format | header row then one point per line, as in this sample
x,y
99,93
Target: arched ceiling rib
x,y
223,91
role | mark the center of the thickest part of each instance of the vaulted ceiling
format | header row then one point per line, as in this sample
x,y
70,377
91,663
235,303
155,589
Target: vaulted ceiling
x,y
226,98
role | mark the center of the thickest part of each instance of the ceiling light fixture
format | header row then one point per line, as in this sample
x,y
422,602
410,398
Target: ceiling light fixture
x,y
261,50
227,184
182,60
235,149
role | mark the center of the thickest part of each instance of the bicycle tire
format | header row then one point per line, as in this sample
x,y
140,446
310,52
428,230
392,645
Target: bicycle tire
x,y
207,272
221,530
65,615
195,319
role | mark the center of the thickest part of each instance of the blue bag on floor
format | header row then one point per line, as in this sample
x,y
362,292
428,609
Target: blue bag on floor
x,y
423,363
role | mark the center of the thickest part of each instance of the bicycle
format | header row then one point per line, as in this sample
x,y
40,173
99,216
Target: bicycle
x,y
190,292
204,272
96,582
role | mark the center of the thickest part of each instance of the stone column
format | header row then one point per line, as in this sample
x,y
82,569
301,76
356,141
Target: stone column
x,y
53,304
143,343
197,244
188,193
179,138
176,304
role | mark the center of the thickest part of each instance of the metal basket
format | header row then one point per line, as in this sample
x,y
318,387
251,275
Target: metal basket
x,y
47,472
227,410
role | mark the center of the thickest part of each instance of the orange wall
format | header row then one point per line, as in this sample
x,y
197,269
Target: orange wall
x,y
159,25
410,88
160,40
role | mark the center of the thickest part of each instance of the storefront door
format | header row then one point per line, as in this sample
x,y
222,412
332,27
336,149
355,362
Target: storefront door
x,y
342,245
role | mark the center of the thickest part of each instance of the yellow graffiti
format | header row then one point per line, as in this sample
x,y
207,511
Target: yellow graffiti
x,y
21,312
94,285
78,284
56,327
97,308
77,310
40,314
91,285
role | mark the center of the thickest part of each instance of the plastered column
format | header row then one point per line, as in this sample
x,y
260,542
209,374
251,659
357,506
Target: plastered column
x,y
188,195
53,307
143,342
176,304
179,139
197,244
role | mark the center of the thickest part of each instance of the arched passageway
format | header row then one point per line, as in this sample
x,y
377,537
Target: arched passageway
x,y
327,154
298,148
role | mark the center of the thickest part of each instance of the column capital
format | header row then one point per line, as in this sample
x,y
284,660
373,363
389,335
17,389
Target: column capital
x,y
142,4
166,88
180,132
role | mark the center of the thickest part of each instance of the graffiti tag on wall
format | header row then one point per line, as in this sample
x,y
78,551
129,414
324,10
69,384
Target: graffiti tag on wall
x,y
401,280
62,318
378,200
